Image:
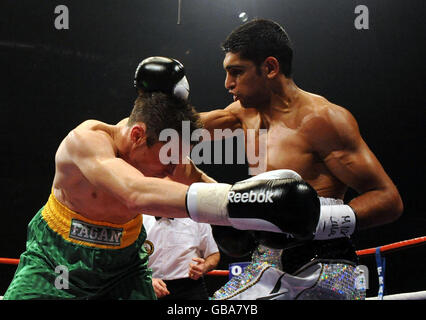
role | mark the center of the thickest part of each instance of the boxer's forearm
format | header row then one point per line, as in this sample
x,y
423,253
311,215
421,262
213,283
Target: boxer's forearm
x,y
140,194
377,207
158,197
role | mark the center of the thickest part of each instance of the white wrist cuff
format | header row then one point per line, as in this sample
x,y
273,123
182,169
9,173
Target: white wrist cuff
x,y
336,221
206,202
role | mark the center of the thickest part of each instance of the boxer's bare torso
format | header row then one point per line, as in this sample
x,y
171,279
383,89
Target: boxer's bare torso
x,y
293,142
308,134
97,176
73,189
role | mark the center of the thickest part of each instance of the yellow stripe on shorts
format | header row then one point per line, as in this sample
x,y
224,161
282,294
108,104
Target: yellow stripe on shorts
x,y
75,228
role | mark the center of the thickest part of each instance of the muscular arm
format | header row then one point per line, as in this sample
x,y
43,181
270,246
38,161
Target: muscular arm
x,y
221,119
93,153
335,135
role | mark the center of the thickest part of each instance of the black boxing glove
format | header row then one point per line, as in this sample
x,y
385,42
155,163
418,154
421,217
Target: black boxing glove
x,y
277,201
235,243
162,74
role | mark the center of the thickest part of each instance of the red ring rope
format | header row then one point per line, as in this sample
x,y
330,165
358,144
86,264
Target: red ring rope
x,y
385,248
8,261
393,246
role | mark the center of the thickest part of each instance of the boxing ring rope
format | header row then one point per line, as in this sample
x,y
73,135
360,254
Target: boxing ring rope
x,y
393,246
386,248
401,245
9,261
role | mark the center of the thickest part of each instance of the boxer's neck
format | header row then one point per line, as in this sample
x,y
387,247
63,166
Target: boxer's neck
x,y
284,98
122,141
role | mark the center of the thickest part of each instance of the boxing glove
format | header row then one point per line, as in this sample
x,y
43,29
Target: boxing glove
x,y
235,243
162,74
283,204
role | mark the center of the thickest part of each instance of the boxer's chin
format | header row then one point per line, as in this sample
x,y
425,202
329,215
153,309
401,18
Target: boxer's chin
x,y
245,104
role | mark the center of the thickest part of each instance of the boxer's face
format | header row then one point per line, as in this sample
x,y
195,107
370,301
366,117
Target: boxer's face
x,y
146,158
159,160
152,164
245,81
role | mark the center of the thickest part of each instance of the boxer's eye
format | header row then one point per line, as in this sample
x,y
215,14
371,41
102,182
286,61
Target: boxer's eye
x,y
235,72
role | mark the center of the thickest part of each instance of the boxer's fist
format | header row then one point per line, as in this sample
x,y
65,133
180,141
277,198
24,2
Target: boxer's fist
x,y
284,204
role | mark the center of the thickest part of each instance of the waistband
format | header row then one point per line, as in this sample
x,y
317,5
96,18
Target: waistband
x,y
77,229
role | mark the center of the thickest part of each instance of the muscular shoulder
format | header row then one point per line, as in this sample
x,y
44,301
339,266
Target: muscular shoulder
x,y
242,114
90,137
227,118
330,127
91,125
237,110
234,107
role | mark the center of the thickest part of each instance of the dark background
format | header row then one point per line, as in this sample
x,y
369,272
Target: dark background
x,y
51,80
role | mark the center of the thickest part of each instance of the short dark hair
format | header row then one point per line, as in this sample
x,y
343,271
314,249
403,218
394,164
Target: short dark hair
x,y
258,39
161,111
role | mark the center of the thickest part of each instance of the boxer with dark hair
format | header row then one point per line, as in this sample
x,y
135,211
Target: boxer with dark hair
x,y
158,111
322,143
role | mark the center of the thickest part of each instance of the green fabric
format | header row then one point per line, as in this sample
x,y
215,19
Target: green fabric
x,y
93,273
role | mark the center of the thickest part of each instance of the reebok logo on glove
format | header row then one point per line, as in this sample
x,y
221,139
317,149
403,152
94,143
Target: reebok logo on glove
x,y
251,197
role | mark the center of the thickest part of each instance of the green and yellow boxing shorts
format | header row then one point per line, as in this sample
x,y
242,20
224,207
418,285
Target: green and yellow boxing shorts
x,y
71,257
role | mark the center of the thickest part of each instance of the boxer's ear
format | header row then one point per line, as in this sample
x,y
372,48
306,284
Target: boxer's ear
x,y
138,133
271,67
